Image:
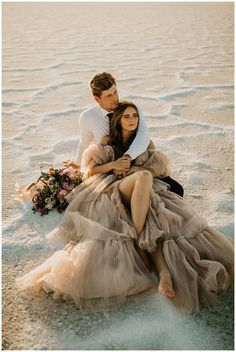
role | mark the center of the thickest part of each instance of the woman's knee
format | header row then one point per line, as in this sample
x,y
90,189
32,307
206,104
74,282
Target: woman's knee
x,y
144,176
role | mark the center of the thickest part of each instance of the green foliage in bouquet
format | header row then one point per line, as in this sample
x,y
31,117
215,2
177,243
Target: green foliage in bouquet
x,y
52,187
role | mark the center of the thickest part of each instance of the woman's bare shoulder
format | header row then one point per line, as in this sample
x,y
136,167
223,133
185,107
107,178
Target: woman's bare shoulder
x,y
105,140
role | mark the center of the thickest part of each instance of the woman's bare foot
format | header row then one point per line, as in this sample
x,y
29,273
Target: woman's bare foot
x,y
165,284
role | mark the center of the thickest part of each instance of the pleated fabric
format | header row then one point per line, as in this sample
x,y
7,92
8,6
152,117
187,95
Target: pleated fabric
x,y
100,268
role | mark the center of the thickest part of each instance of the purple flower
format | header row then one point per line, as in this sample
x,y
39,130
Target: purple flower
x,y
42,211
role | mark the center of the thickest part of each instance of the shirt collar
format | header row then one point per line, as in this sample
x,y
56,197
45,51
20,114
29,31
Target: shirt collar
x,y
103,112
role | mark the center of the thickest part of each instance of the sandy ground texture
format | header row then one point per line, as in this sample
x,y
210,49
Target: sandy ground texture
x,y
174,60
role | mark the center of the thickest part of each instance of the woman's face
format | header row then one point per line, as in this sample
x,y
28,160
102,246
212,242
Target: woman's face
x,y
129,119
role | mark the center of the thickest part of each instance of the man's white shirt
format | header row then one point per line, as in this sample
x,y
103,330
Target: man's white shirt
x,y
94,124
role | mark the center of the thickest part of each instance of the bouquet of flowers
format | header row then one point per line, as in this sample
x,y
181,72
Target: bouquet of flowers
x,y
52,187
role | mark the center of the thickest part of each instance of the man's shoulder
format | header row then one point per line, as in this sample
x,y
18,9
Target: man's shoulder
x,y
90,112
139,109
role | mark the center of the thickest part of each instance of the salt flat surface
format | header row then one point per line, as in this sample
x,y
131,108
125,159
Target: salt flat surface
x,y
174,60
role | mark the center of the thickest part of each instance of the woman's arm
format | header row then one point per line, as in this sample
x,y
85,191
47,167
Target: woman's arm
x,y
105,140
121,163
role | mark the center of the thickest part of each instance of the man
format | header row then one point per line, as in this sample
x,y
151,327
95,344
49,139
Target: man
x,y
94,123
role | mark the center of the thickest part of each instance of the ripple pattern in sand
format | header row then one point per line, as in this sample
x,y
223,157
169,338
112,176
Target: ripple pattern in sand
x,y
176,62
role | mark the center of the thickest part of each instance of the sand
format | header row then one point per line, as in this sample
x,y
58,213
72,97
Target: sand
x,y
175,60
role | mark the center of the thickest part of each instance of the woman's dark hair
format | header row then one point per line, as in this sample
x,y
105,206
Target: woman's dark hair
x,y
115,140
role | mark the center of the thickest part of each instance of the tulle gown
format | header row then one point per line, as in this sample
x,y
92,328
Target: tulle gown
x,y
100,268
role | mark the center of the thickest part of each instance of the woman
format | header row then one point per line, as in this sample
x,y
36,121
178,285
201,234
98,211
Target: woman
x,y
108,218
135,189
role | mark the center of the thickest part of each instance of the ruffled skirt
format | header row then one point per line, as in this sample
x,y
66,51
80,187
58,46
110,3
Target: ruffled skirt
x,y
100,268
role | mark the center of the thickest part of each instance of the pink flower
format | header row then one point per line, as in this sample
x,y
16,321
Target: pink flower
x,y
66,171
51,171
71,172
63,193
67,187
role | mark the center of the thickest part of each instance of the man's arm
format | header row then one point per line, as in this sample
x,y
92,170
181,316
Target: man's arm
x,y
142,139
86,137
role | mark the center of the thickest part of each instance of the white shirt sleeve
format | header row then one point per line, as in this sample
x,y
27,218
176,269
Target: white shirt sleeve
x,y
86,137
142,139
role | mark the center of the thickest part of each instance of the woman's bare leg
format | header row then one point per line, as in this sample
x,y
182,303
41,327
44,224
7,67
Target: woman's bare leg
x,y
135,192
165,284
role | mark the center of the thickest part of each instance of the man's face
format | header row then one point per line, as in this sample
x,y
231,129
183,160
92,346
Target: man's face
x,y
109,99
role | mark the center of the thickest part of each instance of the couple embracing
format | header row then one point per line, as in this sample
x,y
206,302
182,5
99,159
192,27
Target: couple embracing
x,y
128,217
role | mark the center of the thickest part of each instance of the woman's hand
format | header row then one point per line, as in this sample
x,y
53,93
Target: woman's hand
x,y
71,163
119,173
122,163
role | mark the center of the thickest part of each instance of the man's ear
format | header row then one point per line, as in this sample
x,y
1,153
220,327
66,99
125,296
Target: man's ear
x,y
97,99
